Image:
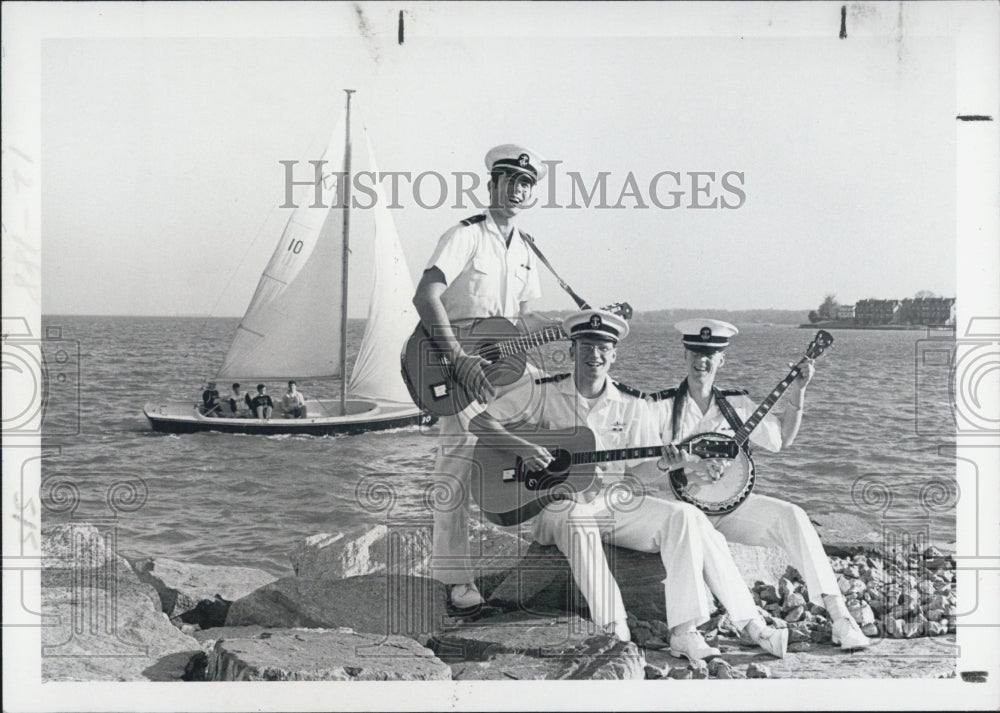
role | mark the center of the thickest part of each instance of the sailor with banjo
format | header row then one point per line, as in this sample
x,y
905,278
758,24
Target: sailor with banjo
x,y
697,406
695,555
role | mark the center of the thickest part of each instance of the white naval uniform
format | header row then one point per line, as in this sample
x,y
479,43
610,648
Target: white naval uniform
x,y
761,520
693,552
485,278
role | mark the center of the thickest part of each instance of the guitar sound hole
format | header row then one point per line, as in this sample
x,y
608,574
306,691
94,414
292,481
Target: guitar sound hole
x,y
553,475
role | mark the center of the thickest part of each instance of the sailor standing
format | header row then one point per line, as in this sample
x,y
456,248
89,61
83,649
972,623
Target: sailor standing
x,y
481,267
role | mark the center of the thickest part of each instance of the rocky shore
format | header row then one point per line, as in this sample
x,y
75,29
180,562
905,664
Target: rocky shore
x,y
364,608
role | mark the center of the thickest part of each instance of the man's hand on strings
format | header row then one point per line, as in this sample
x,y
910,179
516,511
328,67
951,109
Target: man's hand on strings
x,y
469,374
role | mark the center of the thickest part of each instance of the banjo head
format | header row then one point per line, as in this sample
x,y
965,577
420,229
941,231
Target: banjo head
x,y
725,494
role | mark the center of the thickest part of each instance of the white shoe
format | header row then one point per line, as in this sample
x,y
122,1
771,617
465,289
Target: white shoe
x,y
466,596
773,641
691,645
619,629
848,635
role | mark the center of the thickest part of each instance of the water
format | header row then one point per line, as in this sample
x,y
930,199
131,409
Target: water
x,y
248,500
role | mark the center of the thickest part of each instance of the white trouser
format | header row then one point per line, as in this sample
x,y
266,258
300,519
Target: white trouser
x,y
450,562
768,522
693,552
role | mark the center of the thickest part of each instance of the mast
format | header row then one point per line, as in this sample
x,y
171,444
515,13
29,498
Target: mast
x,y
346,254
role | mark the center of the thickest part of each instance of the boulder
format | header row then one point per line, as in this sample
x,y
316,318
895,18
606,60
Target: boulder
x,y
95,636
79,556
373,603
182,586
519,646
404,549
541,581
321,655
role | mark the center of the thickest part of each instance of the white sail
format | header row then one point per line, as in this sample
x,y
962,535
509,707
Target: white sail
x,y
292,326
391,315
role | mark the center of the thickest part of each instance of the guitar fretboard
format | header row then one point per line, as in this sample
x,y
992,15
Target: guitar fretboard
x,y
620,454
522,344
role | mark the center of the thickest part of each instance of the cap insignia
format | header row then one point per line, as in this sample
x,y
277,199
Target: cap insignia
x,y
705,334
523,160
595,321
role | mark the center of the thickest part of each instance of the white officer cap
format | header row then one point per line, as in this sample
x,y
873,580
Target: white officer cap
x,y
516,158
705,335
597,323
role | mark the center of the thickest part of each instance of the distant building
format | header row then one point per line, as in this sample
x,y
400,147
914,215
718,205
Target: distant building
x,y
845,312
872,311
932,310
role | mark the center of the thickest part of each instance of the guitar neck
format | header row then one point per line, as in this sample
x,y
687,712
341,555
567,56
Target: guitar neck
x,y
743,434
527,342
637,453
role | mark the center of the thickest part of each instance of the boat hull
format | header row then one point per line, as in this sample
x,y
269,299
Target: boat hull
x,y
362,417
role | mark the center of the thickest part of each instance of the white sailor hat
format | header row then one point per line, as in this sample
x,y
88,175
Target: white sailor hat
x,y
516,158
705,335
595,322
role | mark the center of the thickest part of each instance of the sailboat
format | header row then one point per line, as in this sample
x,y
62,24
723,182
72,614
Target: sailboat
x,y
296,324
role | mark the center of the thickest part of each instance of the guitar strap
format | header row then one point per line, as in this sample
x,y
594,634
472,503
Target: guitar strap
x,y
580,302
729,413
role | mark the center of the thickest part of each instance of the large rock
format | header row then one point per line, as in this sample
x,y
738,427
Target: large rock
x,y
181,586
106,625
79,556
401,548
321,655
374,603
110,635
519,646
542,581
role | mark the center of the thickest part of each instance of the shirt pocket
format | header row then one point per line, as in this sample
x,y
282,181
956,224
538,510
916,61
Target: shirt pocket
x,y
484,288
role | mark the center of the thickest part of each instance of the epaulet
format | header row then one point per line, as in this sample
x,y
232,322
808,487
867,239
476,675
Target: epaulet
x,y
527,237
734,392
630,390
472,220
554,379
663,395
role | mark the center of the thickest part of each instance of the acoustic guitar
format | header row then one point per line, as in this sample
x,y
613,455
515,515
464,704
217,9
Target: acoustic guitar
x,y
508,493
737,480
429,372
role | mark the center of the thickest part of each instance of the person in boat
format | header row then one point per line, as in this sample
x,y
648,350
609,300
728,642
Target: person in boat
x,y
293,403
694,407
211,406
240,403
482,267
261,405
695,556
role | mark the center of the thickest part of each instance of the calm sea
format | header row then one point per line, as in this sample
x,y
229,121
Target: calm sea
x,y
877,422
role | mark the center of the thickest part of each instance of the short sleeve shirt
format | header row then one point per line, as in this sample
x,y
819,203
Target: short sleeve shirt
x,y
618,420
485,277
767,435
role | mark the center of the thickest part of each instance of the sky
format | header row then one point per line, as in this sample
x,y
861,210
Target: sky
x,y
161,181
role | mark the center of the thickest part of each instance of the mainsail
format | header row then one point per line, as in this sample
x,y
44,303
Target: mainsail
x,y
292,326
391,315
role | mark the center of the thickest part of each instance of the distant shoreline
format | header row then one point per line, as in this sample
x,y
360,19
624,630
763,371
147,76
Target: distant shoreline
x,y
885,327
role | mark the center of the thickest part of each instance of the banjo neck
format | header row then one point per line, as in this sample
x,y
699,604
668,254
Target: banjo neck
x,y
742,434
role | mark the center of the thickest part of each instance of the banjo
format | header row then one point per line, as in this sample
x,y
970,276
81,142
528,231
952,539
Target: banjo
x,y
739,476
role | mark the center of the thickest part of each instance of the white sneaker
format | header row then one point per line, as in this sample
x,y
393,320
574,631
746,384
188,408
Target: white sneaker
x,y
465,596
848,635
773,641
620,629
691,645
